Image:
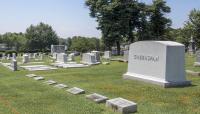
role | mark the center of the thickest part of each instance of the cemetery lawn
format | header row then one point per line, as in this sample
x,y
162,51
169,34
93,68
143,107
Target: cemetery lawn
x,y
22,95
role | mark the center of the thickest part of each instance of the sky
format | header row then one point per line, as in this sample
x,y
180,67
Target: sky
x,y
71,17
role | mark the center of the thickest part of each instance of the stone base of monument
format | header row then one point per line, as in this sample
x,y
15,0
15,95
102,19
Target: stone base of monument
x,y
83,62
157,81
122,106
197,64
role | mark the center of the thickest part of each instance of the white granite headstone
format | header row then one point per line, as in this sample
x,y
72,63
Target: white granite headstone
x,y
25,58
89,58
157,62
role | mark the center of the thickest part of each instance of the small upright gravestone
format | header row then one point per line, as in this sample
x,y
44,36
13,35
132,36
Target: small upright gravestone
x,y
25,58
14,65
157,62
191,47
107,55
14,56
8,56
197,63
3,56
126,56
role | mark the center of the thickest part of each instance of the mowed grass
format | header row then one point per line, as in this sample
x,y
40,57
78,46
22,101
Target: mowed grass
x,y
22,95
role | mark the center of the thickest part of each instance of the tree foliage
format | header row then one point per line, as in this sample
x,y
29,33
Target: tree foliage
x,y
40,37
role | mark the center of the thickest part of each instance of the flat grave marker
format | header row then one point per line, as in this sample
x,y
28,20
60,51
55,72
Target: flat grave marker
x,y
76,91
122,106
61,86
50,82
97,98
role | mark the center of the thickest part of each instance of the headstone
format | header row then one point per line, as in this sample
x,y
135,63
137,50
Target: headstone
x,y
97,55
3,56
107,55
58,49
71,57
50,82
61,86
14,65
34,55
31,75
41,56
55,56
76,91
89,58
38,78
14,56
191,47
25,58
122,106
197,63
126,56
157,62
8,56
97,98
62,58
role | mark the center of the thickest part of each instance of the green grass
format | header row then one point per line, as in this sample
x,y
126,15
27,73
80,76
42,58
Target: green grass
x,y
22,95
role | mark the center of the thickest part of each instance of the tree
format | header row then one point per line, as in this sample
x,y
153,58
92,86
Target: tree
x,y
158,22
40,37
116,19
193,26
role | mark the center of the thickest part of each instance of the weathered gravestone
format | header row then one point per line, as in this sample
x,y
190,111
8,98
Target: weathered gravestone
x,y
3,56
107,55
197,63
157,62
62,58
50,82
122,106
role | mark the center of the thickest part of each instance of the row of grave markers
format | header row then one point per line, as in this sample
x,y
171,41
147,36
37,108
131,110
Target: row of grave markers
x,y
117,104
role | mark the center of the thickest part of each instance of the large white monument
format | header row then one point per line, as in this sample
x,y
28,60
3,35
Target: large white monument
x,y
158,62
107,55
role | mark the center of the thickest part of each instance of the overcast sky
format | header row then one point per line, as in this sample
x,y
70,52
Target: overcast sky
x,y
70,17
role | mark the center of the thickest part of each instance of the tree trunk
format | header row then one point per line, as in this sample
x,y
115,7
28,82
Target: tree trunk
x,y
118,48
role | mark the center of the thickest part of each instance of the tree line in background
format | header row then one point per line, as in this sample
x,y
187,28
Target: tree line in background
x,y
127,21
120,22
39,38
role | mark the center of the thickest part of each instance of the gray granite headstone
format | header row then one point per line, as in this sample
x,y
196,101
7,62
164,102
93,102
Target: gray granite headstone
x,y
122,106
76,91
97,98
97,55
